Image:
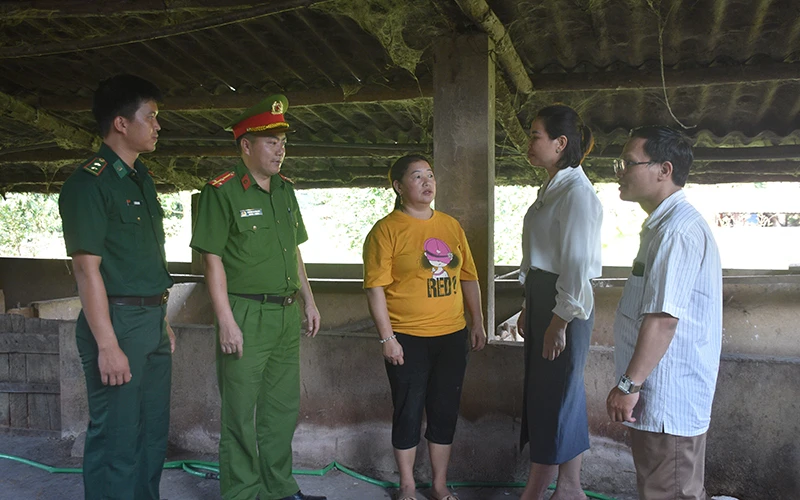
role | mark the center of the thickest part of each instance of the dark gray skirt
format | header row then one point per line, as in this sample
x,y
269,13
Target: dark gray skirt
x,y
554,419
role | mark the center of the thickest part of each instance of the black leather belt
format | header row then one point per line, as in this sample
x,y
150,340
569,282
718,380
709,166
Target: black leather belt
x,y
284,300
154,300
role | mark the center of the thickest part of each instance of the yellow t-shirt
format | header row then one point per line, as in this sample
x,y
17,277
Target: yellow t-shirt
x,y
420,264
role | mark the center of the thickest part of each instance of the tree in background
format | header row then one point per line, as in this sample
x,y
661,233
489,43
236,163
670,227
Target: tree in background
x,y
31,225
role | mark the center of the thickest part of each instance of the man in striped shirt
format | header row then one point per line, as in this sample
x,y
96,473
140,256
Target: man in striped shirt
x,y
668,326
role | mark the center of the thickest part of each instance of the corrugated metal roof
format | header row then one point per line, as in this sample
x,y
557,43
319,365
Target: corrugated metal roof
x,y
358,76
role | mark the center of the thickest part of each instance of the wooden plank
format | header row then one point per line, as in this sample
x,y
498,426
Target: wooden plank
x,y
29,388
54,402
50,9
42,368
16,367
67,134
16,431
4,397
44,412
4,367
17,403
18,410
35,343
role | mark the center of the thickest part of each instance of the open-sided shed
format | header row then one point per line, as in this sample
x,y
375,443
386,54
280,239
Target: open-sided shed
x,y
359,77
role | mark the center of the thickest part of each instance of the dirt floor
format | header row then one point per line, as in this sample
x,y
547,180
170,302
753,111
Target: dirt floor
x,y
19,481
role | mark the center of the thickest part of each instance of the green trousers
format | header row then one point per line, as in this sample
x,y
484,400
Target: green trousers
x,y
126,441
260,396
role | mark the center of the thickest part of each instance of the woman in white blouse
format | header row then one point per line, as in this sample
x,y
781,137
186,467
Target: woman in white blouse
x,y
560,255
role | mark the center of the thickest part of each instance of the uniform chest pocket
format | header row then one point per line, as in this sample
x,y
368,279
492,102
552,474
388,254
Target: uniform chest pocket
x,y
630,304
132,214
253,234
129,231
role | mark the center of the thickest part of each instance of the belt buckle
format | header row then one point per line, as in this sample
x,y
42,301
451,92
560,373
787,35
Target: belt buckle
x,y
164,297
289,300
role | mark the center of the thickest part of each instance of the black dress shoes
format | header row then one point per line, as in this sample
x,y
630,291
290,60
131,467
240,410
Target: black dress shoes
x,y
302,496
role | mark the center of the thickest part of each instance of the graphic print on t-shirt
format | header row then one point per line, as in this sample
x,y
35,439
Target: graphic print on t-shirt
x,y
436,256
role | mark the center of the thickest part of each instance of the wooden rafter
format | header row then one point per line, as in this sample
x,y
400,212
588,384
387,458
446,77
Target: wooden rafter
x,y
506,115
35,9
234,100
777,156
507,56
67,136
210,22
604,81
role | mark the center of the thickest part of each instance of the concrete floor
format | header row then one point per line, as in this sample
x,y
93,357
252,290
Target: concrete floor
x,y
20,481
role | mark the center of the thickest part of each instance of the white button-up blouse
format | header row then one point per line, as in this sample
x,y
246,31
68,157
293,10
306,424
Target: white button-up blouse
x,y
561,235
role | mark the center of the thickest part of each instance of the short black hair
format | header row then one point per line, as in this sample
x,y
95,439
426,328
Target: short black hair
x,y
560,119
664,143
121,95
399,169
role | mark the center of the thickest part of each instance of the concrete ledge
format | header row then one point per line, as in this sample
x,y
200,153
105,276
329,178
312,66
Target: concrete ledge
x,y
753,445
64,309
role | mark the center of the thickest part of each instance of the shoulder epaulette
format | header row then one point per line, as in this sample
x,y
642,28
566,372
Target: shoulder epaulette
x,y
95,165
222,179
286,179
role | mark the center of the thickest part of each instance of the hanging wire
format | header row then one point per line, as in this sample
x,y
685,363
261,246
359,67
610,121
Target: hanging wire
x,y
662,24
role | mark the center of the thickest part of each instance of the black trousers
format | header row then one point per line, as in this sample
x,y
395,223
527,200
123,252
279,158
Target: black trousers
x,y
429,379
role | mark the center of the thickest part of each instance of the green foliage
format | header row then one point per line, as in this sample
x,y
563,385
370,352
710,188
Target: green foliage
x,y
348,214
174,212
338,221
31,225
510,205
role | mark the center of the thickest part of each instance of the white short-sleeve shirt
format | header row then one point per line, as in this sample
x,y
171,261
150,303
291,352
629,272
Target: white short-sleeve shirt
x,y
678,272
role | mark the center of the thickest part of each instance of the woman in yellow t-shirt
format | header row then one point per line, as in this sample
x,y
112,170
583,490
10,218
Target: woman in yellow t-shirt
x,y
418,274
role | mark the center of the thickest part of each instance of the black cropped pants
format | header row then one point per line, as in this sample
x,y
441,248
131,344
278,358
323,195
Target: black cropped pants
x,y
429,379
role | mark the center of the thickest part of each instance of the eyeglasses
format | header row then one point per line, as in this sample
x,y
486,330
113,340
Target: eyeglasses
x,y
621,166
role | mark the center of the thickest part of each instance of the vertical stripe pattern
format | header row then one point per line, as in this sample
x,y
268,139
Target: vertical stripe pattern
x,y
678,272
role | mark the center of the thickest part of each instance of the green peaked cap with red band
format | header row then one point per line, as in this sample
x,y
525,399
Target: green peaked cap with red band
x,y
265,117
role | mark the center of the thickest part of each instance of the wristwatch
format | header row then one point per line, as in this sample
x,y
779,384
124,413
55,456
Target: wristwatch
x,y
627,386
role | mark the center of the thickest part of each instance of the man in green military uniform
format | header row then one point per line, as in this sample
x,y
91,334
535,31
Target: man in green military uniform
x,y
248,227
113,231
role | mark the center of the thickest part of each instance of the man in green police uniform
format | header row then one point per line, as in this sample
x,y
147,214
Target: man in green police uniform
x,y
248,227
113,231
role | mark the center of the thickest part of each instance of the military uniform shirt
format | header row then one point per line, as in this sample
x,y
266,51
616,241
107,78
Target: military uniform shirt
x,y
255,232
110,210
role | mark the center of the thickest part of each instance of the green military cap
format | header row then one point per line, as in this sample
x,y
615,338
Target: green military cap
x,y
266,116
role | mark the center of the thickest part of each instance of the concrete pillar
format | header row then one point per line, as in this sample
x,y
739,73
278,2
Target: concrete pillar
x,y
463,147
197,259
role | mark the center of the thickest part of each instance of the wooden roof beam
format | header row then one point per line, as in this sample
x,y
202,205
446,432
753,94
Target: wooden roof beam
x,y
293,150
234,100
633,79
124,38
506,115
785,155
601,81
37,9
768,153
67,136
507,56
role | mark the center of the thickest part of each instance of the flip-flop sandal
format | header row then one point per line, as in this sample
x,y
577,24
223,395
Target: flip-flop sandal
x,y
448,497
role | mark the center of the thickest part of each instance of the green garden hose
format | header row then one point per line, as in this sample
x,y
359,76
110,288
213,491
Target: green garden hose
x,y
210,470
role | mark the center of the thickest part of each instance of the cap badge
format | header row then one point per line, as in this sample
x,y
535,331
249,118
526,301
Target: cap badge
x,y
277,108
